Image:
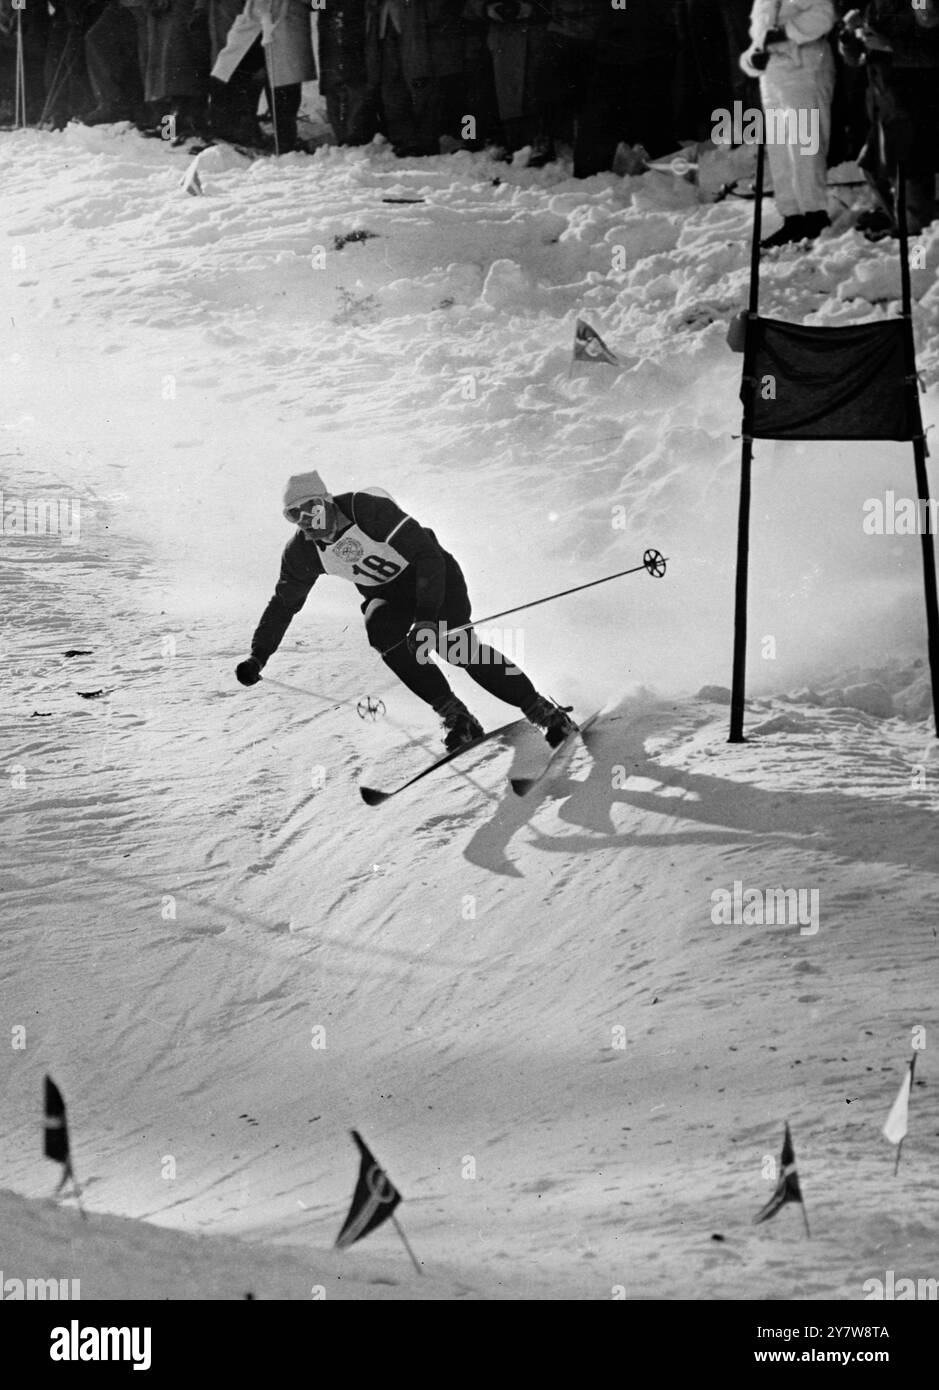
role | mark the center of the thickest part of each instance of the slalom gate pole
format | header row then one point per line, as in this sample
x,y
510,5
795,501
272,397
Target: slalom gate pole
x,y
738,688
19,98
920,451
653,562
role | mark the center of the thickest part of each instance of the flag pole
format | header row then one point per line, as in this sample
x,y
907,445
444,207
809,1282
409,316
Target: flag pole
x,y
739,680
70,1172
407,1245
920,451
805,1215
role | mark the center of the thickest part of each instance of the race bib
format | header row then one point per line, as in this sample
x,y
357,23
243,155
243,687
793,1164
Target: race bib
x,y
356,557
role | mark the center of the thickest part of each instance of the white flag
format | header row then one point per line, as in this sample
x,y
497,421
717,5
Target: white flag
x,y
895,1128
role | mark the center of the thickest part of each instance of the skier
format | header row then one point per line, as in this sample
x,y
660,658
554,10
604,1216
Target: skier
x,y
413,592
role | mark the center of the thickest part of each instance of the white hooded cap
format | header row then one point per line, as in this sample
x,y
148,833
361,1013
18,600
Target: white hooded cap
x,y
301,488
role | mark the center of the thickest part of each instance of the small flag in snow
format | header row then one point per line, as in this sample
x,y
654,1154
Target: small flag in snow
x,y
590,347
787,1187
896,1124
373,1201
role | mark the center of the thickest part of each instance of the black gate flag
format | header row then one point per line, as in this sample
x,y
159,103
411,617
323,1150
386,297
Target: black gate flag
x,y
373,1201
831,383
787,1188
56,1127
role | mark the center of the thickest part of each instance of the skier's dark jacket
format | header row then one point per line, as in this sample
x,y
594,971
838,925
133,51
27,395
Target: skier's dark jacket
x,y
423,584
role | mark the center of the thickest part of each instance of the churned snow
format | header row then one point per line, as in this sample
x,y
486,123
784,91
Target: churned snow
x,y
569,1070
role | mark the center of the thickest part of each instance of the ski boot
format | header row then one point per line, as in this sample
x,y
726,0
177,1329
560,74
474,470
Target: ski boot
x,y
792,230
552,719
461,727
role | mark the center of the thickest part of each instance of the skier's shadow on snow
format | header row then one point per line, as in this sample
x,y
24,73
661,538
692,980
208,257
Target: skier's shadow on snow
x,y
701,809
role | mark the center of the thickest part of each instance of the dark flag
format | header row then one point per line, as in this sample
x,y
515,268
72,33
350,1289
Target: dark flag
x,y
373,1201
787,1187
55,1138
56,1128
590,347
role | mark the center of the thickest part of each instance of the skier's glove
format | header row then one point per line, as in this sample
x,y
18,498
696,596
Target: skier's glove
x,y
249,671
423,635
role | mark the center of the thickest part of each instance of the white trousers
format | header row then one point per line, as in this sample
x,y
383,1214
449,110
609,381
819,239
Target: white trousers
x,y
797,149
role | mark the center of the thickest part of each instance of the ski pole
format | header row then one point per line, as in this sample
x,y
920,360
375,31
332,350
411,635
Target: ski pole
x,y
653,562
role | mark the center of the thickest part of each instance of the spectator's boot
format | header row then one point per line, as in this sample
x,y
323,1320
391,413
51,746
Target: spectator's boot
x,y
106,114
876,220
815,223
792,229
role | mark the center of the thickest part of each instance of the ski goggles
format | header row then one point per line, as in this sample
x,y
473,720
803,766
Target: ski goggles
x,y
310,515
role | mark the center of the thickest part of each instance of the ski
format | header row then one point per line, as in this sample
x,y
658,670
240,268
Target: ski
x,y
373,797
521,786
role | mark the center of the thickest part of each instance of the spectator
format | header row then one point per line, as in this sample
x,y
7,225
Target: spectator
x,y
176,77
351,100
68,92
478,84
793,59
898,41
517,40
233,105
630,93
712,34
116,57
571,50
414,52
281,31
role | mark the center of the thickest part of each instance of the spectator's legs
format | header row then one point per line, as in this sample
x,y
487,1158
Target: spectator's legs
x,y
479,87
401,124
286,105
800,177
113,70
601,123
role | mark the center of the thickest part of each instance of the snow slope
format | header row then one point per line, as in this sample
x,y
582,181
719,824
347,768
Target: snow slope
x,y
570,1072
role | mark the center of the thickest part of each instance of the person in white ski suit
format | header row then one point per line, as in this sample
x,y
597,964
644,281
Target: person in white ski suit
x,y
793,59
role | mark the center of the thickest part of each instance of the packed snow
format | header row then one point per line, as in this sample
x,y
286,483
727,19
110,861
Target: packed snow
x,y
571,1073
